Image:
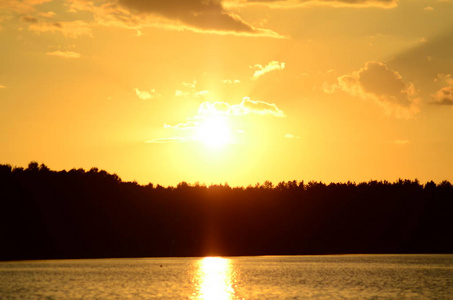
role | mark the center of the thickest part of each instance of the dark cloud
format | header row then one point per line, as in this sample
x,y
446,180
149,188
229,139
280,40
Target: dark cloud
x,y
444,96
377,79
202,14
426,60
208,16
29,19
386,87
22,6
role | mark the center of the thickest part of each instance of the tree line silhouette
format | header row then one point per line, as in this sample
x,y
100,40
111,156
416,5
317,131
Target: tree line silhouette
x,y
89,214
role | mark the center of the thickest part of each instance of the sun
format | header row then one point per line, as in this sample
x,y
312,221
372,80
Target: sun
x,y
214,131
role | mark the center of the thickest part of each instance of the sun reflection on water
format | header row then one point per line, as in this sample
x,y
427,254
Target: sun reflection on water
x,y
215,278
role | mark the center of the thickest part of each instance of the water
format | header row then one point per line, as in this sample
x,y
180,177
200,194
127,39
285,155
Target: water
x,y
273,277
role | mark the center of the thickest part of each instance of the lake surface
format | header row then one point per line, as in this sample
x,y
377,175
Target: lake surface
x,y
271,277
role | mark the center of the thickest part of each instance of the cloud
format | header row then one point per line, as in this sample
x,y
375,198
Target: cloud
x,y
27,11
304,3
426,60
272,66
204,16
207,16
47,14
444,96
191,85
445,79
21,7
72,29
29,19
217,107
2,87
190,90
230,81
386,87
201,14
144,95
193,94
246,107
80,5
64,54
212,121
186,125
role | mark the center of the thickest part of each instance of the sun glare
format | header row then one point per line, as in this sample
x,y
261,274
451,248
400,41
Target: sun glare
x,y
214,131
215,279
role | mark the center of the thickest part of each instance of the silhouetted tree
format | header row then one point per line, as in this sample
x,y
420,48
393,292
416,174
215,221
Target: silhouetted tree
x,y
78,213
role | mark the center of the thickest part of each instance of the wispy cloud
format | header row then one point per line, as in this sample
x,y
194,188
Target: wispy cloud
x,y
47,14
186,125
21,7
64,54
72,29
195,94
230,81
189,89
271,66
386,87
246,107
444,96
146,95
212,121
217,107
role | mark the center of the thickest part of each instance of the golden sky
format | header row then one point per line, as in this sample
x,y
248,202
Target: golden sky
x,y
237,91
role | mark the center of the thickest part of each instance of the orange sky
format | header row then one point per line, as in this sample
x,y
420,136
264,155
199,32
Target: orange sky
x,y
234,91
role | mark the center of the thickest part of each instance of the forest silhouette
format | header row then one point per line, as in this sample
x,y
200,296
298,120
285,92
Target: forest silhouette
x,y
49,214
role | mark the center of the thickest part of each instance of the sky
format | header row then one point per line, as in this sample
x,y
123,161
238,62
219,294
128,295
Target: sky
x,y
232,91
